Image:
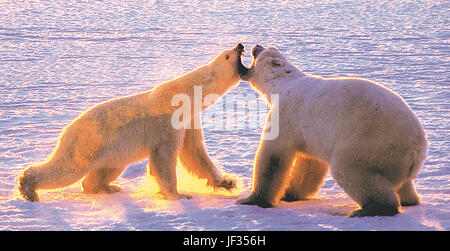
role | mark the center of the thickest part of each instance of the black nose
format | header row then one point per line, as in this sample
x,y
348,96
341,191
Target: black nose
x,y
256,50
239,46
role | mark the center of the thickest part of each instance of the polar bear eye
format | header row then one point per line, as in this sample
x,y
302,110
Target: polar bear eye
x,y
276,63
226,58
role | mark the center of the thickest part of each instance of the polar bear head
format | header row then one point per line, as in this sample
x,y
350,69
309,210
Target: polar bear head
x,y
268,64
224,70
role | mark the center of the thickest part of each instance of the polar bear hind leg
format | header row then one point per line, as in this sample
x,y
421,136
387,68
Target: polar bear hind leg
x,y
307,176
372,191
98,180
377,201
407,194
50,175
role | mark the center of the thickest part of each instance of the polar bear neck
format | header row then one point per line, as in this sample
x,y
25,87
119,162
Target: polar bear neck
x,y
278,82
206,77
158,100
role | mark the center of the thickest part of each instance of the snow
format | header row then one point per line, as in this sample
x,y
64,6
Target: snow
x,y
57,58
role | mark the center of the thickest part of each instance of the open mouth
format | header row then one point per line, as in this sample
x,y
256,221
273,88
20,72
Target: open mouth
x,y
242,70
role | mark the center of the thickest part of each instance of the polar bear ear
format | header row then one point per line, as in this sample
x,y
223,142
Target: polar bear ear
x,y
277,63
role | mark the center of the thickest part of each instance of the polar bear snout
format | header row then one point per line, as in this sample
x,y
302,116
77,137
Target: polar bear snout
x,y
240,47
242,70
256,50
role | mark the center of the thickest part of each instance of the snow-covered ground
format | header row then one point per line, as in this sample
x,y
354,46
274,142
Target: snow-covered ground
x,y
57,58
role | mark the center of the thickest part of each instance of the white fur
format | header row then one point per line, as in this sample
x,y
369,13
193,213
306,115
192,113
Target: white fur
x,y
105,139
367,135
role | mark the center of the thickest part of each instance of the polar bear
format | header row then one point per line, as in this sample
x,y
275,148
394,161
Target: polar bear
x,y
105,139
364,133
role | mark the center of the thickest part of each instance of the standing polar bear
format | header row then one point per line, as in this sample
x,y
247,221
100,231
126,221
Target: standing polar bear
x,y
367,135
105,139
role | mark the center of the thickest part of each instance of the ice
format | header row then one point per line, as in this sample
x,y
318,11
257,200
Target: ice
x,y
58,58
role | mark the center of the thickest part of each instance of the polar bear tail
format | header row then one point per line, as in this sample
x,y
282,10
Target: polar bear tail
x,y
419,157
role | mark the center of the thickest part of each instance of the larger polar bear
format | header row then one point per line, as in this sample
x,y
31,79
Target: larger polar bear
x,y
105,139
366,134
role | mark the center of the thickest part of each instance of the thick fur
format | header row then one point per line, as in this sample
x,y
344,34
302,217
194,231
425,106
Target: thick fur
x,y
366,134
104,140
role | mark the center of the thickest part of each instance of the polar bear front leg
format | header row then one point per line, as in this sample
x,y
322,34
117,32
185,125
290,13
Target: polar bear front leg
x,y
163,163
306,178
194,157
271,170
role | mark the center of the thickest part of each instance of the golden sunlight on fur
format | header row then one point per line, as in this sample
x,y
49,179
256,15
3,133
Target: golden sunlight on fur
x,y
365,134
101,143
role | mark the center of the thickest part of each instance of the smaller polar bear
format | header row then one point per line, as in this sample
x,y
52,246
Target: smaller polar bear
x,y
366,134
105,139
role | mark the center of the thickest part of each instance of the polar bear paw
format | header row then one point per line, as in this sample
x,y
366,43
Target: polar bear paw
x,y
177,196
106,189
377,210
27,187
227,183
29,194
254,199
